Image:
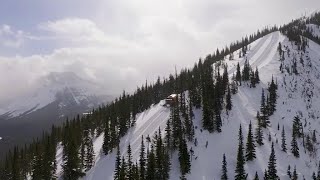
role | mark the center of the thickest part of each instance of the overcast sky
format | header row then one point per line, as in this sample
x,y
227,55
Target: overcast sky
x,y
121,43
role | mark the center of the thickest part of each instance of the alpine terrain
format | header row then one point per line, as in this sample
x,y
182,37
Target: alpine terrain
x,y
248,111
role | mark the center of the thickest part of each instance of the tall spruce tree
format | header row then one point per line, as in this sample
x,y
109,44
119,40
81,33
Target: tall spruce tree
x,y
106,139
228,99
295,174
256,176
142,160
224,174
238,74
130,165
259,132
294,146
272,165
283,140
184,157
240,173
117,165
250,146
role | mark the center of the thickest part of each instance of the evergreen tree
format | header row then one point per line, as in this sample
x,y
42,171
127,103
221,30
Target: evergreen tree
x,y
272,165
294,146
228,100
283,140
309,144
314,177
142,160
238,74
240,171
289,172
256,177
295,174
264,111
318,175
250,146
123,170
297,127
117,170
151,165
130,168
259,133
224,175
266,176
184,157
89,157
168,134
256,74
314,138
106,139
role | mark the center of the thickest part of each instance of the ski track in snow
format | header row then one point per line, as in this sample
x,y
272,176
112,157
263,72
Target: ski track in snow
x,y
246,103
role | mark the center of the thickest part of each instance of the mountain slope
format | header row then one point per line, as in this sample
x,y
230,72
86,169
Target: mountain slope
x,y
56,97
297,95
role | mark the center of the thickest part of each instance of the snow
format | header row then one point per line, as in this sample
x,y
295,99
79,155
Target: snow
x,y
46,91
315,29
293,92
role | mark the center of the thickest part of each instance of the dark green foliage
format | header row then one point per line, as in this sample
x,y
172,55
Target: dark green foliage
x,y
266,176
297,127
238,74
142,160
250,146
294,146
256,177
272,165
314,138
106,139
289,172
224,174
130,165
117,170
240,171
123,170
283,140
272,97
184,157
264,111
151,165
259,133
228,100
309,144
295,174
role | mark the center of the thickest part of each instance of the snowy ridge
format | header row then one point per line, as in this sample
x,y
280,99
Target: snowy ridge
x,y
297,95
48,87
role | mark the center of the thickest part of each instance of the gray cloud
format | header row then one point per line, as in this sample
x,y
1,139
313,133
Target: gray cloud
x,y
123,43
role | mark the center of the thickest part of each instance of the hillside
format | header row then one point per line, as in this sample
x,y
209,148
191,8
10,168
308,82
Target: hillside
x,y
251,110
297,95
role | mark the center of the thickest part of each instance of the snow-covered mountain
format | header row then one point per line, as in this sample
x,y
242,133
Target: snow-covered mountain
x,y
49,89
55,97
298,94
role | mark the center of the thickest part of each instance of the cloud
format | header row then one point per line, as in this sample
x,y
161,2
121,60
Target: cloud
x,y
123,43
11,38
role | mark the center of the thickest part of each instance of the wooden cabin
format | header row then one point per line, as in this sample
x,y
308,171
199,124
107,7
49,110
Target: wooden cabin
x,y
172,99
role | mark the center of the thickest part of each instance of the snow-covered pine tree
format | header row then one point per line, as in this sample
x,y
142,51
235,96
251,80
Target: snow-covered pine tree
x,y
259,133
117,170
256,176
142,160
294,146
272,165
250,146
283,140
240,173
224,171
